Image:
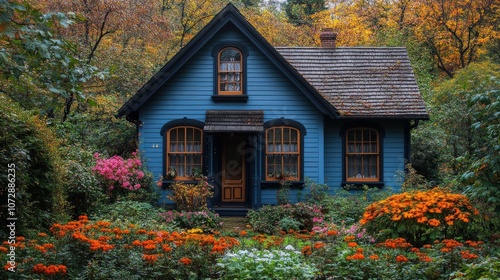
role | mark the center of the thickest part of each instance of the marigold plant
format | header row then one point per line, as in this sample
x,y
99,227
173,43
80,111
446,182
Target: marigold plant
x,y
420,216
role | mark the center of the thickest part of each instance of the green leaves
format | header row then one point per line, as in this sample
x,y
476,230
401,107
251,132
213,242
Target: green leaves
x,y
39,70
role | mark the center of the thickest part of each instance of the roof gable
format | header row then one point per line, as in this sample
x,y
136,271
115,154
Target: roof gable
x,y
229,15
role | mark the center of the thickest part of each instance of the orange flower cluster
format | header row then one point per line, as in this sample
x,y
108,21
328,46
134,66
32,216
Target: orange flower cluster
x,y
306,250
395,243
186,261
332,232
433,207
163,239
95,244
401,258
45,247
452,243
468,255
151,258
356,256
319,245
352,244
50,269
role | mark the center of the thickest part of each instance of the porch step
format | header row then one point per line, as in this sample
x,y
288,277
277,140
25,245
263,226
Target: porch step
x,y
231,211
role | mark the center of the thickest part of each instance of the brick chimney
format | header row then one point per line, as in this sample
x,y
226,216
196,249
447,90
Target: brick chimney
x,y
328,38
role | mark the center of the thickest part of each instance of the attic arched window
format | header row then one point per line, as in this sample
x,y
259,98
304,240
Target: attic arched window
x,y
230,72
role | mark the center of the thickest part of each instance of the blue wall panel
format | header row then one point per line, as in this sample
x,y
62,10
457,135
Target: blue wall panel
x,y
393,153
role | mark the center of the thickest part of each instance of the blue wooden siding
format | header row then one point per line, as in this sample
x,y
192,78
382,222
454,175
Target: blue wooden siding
x,y
188,94
393,153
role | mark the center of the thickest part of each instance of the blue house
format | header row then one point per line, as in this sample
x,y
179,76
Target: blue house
x,y
247,114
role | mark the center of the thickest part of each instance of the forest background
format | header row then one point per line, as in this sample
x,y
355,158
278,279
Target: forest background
x,y
67,66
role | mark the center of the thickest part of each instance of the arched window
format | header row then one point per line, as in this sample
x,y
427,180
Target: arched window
x,y
230,72
283,153
184,152
362,155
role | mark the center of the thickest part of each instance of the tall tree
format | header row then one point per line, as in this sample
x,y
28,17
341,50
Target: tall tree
x,y
38,69
456,31
299,12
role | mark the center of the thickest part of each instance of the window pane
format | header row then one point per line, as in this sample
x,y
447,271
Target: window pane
x,y
362,158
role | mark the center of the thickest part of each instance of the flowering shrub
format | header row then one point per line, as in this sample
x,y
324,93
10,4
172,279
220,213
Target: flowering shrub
x,y
420,216
265,264
204,220
190,197
118,172
86,249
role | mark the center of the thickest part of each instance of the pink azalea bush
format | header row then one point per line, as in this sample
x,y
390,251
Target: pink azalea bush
x,y
119,172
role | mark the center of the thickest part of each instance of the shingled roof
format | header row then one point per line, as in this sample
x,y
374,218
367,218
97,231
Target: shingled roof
x,y
361,82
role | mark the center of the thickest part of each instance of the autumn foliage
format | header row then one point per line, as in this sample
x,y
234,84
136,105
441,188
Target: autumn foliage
x,y
420,216
191,197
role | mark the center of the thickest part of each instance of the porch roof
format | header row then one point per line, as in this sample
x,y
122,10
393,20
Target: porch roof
x,y
234,121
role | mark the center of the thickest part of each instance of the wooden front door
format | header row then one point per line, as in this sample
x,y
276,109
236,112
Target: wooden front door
x,y
233,170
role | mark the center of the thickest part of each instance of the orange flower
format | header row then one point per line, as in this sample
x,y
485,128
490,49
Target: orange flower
x,y
166,248
332,232
401,258
243,233
83,218
150,258
186,261
434,222
306,250
374,257
359,250
3,249
349,238
50,269
468,255
42,234
445,250
319,245
357,256
425,259
352,244
452,243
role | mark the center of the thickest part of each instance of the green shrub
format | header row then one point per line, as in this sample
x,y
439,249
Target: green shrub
x,y
317,192
347,207
134,212
82,187
271,219
29,155
207,221
265,264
